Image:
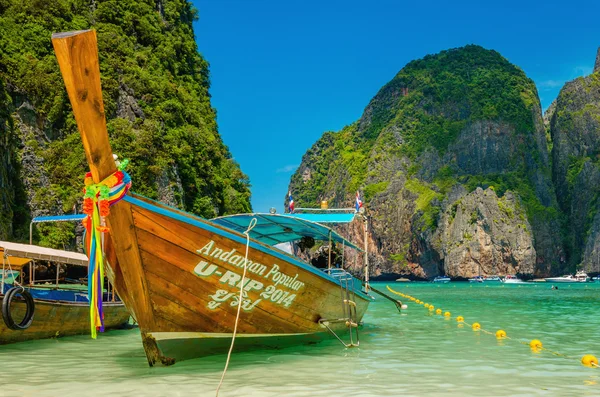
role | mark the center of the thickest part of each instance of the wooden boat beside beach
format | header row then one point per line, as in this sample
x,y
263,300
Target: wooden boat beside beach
x,y
181,275
57,311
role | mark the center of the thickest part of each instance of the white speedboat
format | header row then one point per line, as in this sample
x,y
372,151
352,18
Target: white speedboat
x,y
579,277
442,279
476,279
492,279
512,279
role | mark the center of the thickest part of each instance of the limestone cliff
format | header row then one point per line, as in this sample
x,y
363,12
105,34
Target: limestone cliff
x,y
575,129
155,90
451,157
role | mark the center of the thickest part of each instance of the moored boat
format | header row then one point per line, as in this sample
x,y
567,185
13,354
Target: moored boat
x,y
579,277
512,279
492,279
192,283
476,279
442,279
37,311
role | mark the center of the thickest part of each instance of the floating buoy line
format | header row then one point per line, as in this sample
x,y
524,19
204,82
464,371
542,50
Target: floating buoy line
x,y
536,345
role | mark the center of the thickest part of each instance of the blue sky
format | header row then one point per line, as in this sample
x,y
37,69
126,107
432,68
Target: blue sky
x,y
283,72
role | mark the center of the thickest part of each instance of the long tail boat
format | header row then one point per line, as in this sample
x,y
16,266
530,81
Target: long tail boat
x,y
180,275
51,310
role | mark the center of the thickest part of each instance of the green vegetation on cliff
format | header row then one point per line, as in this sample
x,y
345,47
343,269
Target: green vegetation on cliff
x,y
433,98
444,126
155,87
425,107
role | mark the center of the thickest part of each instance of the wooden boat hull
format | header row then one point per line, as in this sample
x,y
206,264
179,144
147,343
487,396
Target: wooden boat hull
x,y
192,271
55,319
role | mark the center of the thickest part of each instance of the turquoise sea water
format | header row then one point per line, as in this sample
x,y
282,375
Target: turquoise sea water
x,y
413,354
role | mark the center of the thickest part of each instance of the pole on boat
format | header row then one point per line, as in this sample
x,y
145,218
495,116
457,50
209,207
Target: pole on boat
x,y
329,260
366,224
57,273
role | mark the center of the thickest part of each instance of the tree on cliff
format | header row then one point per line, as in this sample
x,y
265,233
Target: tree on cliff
x,y
156,93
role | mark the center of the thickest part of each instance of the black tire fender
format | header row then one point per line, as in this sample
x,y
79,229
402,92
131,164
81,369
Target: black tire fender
x,y
6,316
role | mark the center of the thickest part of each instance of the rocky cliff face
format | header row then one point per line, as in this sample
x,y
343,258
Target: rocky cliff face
x,y
575,129
159,115
452,159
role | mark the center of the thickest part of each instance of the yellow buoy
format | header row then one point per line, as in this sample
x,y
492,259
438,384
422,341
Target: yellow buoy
x,y
476,326
426,305
500,334
589,360
431,308
447,314
438,311
535,344
460,319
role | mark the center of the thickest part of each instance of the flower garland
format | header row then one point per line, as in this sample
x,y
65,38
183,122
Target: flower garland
x,y
98,198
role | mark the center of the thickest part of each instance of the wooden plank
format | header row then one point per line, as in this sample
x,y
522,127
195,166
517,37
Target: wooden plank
x,y
170,262
261,320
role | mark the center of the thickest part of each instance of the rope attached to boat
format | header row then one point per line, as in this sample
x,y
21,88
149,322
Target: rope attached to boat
x,y
96,204
237,317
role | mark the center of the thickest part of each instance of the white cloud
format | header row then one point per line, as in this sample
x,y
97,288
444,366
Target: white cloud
x,y
287,168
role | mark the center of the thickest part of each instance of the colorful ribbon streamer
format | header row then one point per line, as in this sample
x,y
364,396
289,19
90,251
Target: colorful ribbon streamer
x,y
98,198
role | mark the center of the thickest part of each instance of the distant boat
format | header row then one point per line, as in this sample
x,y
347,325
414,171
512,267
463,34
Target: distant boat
x,y
42,310
476,279
492,279
403,280
596,279
579,277
512,279
442,279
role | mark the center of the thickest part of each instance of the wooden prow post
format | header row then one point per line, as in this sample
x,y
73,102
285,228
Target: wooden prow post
x,y
77,55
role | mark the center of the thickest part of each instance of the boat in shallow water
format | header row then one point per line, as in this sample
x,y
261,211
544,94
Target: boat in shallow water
x,y
512,279
182,277
476,279
492,279
579,277
441,279
38,311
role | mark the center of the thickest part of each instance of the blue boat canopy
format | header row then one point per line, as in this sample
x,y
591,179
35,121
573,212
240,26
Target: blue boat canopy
x,y
274,229
59,218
